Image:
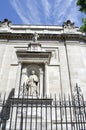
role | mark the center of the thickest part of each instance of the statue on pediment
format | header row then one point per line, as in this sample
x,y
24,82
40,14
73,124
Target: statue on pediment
x,y
35,37
5,23
32,84
68,24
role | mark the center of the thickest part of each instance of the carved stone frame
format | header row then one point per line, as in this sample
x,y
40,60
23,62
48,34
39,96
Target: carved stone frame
x,y
37,58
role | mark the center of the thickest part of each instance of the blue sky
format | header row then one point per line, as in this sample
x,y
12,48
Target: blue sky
x,y
40,12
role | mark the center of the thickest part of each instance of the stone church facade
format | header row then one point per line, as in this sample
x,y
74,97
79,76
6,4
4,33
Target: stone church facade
x,y
57,55
41,61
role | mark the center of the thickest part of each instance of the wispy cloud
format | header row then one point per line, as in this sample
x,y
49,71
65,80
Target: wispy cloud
x,y
46,7
19,11
62,10
46,11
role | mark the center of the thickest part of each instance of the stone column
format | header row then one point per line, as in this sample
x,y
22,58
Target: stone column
x,y
18,75
46,85
24,78
41,83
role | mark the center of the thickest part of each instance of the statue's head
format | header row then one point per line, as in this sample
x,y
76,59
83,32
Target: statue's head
x,y
33,72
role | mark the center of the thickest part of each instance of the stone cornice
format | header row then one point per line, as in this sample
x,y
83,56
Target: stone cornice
x,y
42,37
25,56
68,31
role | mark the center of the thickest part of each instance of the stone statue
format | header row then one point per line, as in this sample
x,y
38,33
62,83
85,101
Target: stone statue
x,y
68,24
5,23
35,37
32,84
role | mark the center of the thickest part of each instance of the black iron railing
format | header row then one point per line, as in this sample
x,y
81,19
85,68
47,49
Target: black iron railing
x,y
43,113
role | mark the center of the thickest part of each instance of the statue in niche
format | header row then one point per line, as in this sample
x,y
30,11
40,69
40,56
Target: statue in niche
x,y
32,84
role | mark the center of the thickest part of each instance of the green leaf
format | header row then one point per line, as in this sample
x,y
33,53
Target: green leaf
x,y
82,5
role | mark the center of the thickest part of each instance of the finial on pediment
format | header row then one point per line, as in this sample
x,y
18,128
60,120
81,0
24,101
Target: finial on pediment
x,y
68,24
35,37
5,23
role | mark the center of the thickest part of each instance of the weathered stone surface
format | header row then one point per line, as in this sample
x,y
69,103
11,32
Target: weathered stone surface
x,y
65,67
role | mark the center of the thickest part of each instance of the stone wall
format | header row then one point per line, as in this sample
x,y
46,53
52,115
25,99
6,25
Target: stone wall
x,y
66,63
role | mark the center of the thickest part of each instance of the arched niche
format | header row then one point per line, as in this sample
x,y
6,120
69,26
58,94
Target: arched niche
x,y
37,60
26,72
32,67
